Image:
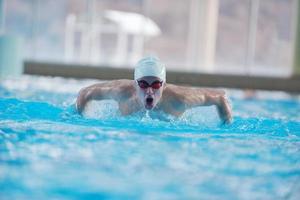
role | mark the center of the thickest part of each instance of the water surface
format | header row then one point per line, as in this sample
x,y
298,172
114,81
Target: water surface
x,y
47,151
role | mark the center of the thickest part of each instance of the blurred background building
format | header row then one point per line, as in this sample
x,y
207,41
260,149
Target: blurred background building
x,y
249,37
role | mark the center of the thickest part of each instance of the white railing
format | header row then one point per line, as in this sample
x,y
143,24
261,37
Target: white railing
x,y
123,25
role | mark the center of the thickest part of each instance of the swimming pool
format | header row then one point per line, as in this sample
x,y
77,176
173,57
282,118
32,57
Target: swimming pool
x,y
47,151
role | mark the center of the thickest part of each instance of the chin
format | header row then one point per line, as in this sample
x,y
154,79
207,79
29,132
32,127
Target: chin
x,y
149,107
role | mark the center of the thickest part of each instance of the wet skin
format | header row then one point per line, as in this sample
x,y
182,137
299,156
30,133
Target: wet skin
x,y
150,95
169,98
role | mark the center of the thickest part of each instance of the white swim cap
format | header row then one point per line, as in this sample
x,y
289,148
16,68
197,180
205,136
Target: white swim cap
x,y
150,66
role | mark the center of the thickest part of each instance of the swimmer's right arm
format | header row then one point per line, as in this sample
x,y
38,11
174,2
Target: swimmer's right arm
x,y
86,94
107,90
94,92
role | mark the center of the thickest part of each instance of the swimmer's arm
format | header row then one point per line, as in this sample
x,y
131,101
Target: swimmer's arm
x,y
223,107
206,97
98,91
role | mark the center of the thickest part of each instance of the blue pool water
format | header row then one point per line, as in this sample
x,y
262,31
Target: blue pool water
x,y
47,151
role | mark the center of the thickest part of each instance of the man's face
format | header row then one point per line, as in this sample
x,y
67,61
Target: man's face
x,y
149,90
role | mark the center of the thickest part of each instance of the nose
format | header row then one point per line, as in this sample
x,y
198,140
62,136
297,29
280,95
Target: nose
x,y
149,91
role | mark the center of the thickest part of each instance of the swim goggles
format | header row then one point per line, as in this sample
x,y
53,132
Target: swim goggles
x,y
155,85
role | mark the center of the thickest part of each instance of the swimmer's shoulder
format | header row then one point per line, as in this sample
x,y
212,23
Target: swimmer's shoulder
x,y
119,86
124,84
122,88
173,100
181,93
173,93
174,90
190,90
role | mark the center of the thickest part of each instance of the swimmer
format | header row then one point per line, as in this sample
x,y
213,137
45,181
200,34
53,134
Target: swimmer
x,y
150,91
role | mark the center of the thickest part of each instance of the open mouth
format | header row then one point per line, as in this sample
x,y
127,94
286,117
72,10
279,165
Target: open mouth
x,y
149,103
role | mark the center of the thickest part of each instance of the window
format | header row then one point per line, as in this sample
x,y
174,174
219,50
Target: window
x,y
253,37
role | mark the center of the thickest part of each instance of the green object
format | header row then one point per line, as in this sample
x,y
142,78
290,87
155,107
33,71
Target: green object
x,y
11,59
297,45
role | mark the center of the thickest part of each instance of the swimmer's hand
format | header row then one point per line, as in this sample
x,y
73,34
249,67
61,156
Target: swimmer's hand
x,y
224,110
81,100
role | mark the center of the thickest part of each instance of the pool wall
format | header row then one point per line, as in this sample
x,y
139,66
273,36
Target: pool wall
x,y
291,84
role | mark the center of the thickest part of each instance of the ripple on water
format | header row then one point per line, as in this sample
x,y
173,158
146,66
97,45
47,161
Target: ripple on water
x,y
48,151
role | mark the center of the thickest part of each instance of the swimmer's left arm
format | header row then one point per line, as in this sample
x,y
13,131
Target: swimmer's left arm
x,y
224,108
206,97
